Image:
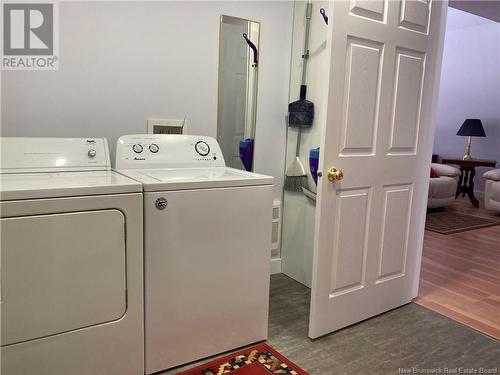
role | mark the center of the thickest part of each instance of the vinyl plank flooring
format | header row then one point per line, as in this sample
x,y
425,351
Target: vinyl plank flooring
x,y
407,337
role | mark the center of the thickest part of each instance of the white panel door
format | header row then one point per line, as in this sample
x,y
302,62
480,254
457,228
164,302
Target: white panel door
x,y
383,82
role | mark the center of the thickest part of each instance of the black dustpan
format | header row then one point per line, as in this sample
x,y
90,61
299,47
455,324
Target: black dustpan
x,y
301,112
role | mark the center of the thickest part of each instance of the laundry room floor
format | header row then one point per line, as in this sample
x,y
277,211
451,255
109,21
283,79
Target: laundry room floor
x,y
406,337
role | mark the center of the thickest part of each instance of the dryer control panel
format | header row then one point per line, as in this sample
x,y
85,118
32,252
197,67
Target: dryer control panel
x,y
25,154
167,151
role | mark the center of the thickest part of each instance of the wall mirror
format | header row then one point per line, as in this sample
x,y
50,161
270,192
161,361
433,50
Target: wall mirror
x,y
237,90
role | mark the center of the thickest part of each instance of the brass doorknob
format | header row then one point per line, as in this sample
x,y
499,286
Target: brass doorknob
x,y
335,175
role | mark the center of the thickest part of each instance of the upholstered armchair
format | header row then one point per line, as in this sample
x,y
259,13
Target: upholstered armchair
x,y
442,189
492,190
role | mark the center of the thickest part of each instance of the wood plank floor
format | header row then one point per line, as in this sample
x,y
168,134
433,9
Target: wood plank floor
x,y
460,275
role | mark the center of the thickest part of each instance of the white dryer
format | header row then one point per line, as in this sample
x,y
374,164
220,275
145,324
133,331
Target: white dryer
x,y
71,260
207,238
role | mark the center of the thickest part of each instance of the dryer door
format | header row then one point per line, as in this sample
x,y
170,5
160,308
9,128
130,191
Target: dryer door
x,y
61,272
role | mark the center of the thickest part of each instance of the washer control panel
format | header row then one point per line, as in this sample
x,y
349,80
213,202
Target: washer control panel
x,y
167,151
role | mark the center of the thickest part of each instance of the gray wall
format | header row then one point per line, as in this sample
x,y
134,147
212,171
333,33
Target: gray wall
x,y
470,87
122,62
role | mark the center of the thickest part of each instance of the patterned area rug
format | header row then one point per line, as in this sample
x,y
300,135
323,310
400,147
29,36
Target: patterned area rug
x,y
255,360
452,222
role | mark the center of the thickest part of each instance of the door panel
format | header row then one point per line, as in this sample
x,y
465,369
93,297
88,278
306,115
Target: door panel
x,y
409,77
373,9
394,238
383,80
350,241
415,15
361,96
60,273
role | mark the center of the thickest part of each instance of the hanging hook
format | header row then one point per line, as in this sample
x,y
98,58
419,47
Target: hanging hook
x,y
323,13
254,49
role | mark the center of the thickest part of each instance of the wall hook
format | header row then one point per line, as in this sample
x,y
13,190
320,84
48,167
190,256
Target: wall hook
x,y
254,49
323,13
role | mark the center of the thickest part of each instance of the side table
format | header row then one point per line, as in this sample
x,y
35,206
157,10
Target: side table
x,y
468,171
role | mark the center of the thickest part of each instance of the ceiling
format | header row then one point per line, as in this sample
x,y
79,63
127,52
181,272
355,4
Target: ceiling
x,y
484,8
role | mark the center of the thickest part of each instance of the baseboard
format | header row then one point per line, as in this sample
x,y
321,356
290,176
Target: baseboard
x,y
275,265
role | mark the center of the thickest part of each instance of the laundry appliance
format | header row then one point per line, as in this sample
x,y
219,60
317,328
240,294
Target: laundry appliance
x,y
71,260
207,238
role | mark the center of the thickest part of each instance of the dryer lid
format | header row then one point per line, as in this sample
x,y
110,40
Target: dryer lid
x,y
18,186
58,167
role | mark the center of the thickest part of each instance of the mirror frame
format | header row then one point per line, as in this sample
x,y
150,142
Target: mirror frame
x,y
221,17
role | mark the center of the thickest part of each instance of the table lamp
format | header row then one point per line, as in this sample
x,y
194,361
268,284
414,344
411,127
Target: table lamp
x,y
472,127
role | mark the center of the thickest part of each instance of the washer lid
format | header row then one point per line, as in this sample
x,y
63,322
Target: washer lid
x,y
195,178
19,186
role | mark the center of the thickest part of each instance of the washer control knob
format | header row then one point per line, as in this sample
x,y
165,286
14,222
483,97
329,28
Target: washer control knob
x,y
91,153
154,148
202,148
137,148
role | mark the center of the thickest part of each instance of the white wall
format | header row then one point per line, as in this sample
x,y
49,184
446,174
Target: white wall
x,y
122,62
297,241
470,87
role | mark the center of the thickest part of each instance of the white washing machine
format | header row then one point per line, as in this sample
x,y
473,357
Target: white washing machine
x,y
207,238
71,260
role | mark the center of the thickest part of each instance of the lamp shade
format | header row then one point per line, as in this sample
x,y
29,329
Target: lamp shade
x,y
472,127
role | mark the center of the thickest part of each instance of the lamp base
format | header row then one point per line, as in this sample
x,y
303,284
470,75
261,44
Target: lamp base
x,y
467,155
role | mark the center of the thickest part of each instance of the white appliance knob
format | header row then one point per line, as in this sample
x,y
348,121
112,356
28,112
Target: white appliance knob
x,y
202,148
137,148
154,148
91,153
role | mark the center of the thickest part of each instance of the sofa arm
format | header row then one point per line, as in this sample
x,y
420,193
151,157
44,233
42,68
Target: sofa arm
x,y
492,175
445,170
